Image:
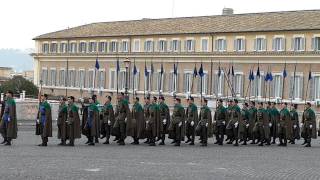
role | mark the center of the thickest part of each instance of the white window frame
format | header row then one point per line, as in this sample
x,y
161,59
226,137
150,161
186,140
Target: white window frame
x,y
298,87
223,47
190,48
149,43
301,44
207,46
51,78
136,49
280,85
45,78
114,46
105,47
263,46
101,84
236,86
175,47
125,45
64,78
282,43
81,80
237,45
45,47
162,45
81,49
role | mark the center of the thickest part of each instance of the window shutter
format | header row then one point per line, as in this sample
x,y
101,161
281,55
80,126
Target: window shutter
x,y
292,44
185,83
165,46
303,44
185,45
215,84
198,84
244,45
255,44
157,48
152,46
273,44
312,89
179,46
264,44
301,88
194,45
170,46
291,86
242,81
170,82
120,46
283,44
177,84
222,84
313,42
216,45
145,46
272,87
235,45
225,45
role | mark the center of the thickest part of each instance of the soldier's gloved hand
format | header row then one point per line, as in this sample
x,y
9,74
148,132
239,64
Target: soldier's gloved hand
x,y
279,124
147,122
247,125
236,124
207,124
294,126
185,122
192,123
9,119
37,121
301,124
164,121
270,124
109,122
180,124
223,122
310,126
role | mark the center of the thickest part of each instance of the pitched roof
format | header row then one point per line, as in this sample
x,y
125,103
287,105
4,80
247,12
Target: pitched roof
x,y
251,22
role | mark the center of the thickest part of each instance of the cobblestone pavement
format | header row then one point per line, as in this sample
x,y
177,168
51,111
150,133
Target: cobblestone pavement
x,y
25,160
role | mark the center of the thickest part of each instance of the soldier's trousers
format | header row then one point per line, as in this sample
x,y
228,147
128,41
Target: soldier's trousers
x,y
260,133
274,133
204,134
163,133
62,132
283,134
177,133
307,134
121,128
106,130
4,134
190,132
71,133
220,133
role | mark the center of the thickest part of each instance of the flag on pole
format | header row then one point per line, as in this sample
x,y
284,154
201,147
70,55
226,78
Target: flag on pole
x,y
284,74
146,73
97,64
251,76
201,73
118,66
195,72
310,75
270,76
219,71
135,71
232,70
151,68
175,69
161,69
258,72
266,78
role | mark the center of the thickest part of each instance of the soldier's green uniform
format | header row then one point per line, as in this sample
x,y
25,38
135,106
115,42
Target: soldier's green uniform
x,y
232,126
8,125
123,115
61,122
252,120
262,126
74,131
146,115
295,125
107,121
45,122
228,131
284,127
243,125
204,128
90,126
164,121
192,121
152,123
137,123
176,124
309,126
274,119
220,123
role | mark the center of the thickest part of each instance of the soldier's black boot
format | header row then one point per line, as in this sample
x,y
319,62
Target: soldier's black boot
x,y
147,141
152,142
293,141
304,142
107,142
268,142
281,142
236,144
62,143
91,143
274,141
253,141
192,142
4,141
285,142
177,143
308,144
162,140
173,142
244,142
71,143
204,143
8,143
189,140
96,139
121,143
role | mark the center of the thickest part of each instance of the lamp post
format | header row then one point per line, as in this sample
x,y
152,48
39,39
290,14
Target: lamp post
x,y
127,64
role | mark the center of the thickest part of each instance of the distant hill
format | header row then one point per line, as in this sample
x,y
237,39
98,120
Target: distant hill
x,y
19,60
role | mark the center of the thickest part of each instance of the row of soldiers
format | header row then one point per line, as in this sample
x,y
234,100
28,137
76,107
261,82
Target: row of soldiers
x,y
153,122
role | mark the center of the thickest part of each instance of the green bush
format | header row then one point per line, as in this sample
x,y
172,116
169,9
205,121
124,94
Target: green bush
x,y
18,84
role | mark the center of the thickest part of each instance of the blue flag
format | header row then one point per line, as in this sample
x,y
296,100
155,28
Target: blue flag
x,y
310,76
118,66
219,71
270,76
232,71
97,64
258,72
135,71
266,78
175,69
284,74
251,76
195,72
201,73
161,69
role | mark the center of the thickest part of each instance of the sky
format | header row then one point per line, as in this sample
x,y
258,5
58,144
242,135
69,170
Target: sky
x,y
22,20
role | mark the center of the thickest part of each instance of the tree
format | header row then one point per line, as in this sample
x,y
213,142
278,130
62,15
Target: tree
x,y
18,84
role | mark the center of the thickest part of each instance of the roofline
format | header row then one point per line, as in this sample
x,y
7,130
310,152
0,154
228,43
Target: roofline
x,y
164,34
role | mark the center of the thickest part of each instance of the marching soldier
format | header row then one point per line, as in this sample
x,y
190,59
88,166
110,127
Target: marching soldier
x,y
107,120
204,128
90,126
244,124
164,119
152,123
138,122
44,120
85,108
284,125
192,121
308,125
295,123
61,122
146,113
234,118
97,125
8,125
73,121
274,117
176,124
123,115
3,104
252,121
262,125
220,121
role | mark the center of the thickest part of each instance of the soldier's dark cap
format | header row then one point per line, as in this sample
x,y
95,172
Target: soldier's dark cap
x,y
261,103
161,97
147,97
269,103
235,100
252,102
191,98
295,105
63,98
220,100
178,99
205,100
109,97
71,97
137,98
230,100
308,103
10,92
155,98
94,97
45,95
122,93
246,104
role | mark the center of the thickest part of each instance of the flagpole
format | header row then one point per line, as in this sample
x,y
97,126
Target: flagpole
x,y
211,75
117,74
309,77
269,81
227,77
294,83
145,80
284,75
133,79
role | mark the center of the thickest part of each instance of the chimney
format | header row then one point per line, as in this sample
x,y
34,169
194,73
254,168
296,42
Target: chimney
x,y
227,11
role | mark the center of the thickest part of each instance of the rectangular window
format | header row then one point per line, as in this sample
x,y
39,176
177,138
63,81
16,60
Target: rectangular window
x,y
260,44
190,45
82,78
92,47
53,48
114,46
53,77
315,87
205,81
218,84
44,76
136,80
90,78
45,47
204,45
296,87
221,45
257,86
298,44
276,86
62,78
239,44
112,79
315,44
83,47
72,78
124,46
173,79
238,84
175,45
63,47
149,46
187,81
159,81
162,45
136,45
278,44
122,80
147,81
102,47
101,79
73,47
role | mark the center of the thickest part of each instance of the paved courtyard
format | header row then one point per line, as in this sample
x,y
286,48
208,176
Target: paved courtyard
x,y
24,160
